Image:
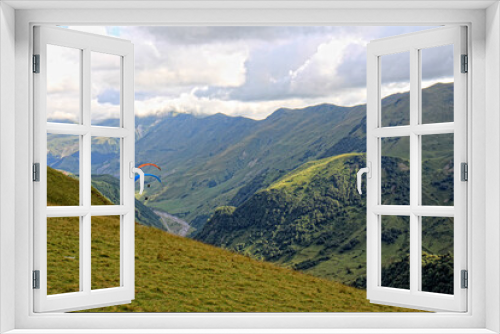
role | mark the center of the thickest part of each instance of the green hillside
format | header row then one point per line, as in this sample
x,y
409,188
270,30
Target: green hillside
x,y
313,220
175,274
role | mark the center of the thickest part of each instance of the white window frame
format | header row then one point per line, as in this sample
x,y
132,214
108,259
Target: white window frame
x,y
375,132
86,44
484,103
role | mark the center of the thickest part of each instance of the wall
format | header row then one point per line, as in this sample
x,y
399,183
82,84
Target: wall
x,y
23,159
492,164
7,170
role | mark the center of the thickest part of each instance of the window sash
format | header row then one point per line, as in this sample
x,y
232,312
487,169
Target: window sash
x,y
414,298
86,297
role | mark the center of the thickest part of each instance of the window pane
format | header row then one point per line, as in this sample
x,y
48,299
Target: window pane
x,y
105,252
63,170
63,255
63,84
395,171
437,170
105,171
437,71
395,251
106,89
395,89
437,254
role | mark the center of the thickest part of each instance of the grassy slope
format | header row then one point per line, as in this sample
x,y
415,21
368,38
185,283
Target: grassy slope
x,y
175,274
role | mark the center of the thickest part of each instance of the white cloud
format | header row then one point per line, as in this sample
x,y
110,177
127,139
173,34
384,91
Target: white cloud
x,y
249,71
190,103
318,75
217,65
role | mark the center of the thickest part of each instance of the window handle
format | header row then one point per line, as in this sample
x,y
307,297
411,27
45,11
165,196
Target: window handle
x,y
368,171
139,171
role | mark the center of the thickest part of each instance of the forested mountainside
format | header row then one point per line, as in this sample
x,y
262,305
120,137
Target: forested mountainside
x,y
313,220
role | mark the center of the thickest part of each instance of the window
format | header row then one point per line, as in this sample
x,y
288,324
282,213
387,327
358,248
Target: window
x,y
479,280
434,137
65,74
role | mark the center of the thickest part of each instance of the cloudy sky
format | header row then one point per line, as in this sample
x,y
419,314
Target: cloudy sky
x,y
240,71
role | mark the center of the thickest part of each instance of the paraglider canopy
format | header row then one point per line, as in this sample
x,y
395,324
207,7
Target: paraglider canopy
x,y
152,175
149,164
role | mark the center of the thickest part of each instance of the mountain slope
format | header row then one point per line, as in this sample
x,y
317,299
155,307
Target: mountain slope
x,y
64,189
312,219
213,175
175,274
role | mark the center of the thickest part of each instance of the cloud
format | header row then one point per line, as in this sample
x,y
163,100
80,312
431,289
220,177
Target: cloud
x,y
192,104
437,62
251,71
110,96
230,34
221,65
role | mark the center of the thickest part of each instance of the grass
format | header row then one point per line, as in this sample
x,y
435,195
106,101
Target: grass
x,y
175,274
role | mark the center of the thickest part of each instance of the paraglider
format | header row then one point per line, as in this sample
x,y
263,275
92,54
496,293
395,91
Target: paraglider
x,y
146,174
137,177
149,164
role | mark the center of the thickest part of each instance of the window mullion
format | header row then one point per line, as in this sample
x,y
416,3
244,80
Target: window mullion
x,y
85,177
414,171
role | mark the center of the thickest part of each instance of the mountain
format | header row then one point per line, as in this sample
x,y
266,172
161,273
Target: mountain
x,y
313,220
219,160
206,169
174,274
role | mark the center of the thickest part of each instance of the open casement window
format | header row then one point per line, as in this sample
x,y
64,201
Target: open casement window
x,y
73,273
416,160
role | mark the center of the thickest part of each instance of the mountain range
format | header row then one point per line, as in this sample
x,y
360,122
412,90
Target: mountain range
x,y
220,160
282,189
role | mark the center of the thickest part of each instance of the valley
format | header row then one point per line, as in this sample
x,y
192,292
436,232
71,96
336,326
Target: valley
x,y
173,224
